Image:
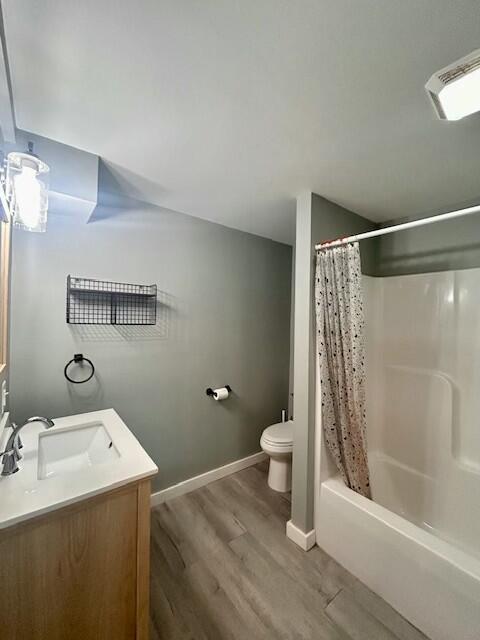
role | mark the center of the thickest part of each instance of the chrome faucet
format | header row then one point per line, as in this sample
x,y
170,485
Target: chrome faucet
x,y
12,454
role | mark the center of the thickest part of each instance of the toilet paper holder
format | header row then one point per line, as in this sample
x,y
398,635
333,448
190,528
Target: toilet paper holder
x,y
210,391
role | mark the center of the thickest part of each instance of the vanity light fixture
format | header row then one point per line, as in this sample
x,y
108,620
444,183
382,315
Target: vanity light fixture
x,y
27,189
455,90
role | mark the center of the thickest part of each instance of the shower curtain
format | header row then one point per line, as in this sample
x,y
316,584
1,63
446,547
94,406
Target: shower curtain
x,y
341,351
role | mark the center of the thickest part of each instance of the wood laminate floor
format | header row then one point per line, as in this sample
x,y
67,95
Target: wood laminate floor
x,y
222,569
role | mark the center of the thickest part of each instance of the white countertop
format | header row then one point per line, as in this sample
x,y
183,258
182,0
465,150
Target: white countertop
x,y
23,495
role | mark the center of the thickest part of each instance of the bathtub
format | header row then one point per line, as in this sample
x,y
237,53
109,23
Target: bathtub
x,y
431,582
417,543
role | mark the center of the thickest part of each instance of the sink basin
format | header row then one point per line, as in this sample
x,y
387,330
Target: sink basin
x,y
63,450
82,456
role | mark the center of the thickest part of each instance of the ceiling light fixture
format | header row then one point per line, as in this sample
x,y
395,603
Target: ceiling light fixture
x,y
27,189
455,90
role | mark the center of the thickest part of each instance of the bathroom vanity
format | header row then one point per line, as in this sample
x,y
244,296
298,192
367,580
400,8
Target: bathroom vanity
x,y
75,533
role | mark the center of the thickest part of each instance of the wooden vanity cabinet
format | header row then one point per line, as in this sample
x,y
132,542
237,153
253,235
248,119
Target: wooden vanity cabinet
x,y
80,572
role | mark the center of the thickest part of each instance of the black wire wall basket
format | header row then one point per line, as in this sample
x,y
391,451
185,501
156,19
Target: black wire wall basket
x,y
92,301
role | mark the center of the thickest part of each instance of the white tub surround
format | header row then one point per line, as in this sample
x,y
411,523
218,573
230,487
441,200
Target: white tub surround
x,y
423,400
435,585
61,476
417,544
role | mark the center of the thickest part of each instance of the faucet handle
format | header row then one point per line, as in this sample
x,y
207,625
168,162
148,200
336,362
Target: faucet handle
x,y
16,449
10,465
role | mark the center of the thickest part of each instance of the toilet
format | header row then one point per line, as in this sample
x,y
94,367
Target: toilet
x,y
277,442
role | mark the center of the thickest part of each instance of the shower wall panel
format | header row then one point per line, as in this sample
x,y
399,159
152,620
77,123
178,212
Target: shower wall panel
x,y
423,399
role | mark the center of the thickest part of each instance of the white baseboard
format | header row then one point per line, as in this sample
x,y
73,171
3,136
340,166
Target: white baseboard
x,y
205,478
304,540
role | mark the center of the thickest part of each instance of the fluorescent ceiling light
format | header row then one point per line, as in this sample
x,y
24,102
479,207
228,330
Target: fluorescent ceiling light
x,y
455,90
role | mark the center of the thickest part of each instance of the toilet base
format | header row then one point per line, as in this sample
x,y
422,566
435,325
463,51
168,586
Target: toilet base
x,y
280,472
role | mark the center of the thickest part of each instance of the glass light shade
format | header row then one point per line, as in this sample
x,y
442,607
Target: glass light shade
x,y
27,190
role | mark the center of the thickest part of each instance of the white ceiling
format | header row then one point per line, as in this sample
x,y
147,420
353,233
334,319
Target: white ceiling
x,y
227,109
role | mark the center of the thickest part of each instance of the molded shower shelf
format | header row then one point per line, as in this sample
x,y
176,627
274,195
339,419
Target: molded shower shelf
x,y
92,301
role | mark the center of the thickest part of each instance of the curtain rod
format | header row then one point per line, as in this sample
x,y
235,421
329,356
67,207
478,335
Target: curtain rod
x,y
397,227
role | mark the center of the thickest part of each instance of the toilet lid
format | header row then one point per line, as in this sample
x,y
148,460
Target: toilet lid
x,y
281,433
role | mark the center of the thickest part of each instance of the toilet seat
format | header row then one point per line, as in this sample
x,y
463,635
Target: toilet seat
x,y
278,437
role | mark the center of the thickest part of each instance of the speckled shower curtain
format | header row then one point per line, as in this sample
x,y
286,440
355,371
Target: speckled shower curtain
x,y
341,351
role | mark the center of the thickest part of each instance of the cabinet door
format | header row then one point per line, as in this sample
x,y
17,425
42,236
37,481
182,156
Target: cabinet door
x,y
73,574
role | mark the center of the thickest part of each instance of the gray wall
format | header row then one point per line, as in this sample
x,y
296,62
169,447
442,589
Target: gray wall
x,y
330,220
223,317
317,220
303,373
441,246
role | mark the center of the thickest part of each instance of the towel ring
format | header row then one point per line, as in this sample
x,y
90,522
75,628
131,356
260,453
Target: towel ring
x,y
78,357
